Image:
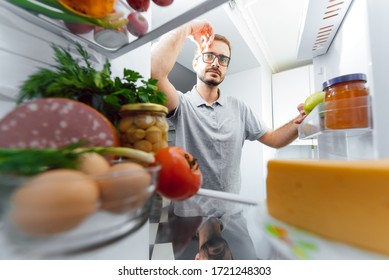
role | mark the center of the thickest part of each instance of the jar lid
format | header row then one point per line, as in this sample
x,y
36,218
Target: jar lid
x,y
345,78
144,107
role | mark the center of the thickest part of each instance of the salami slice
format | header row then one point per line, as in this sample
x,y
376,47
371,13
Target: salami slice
x,y
54,123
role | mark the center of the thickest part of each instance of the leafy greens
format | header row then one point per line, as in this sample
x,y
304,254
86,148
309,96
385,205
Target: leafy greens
x,y
77,79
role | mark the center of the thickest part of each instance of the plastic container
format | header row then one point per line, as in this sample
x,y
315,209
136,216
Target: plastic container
x,y
344,108
144,127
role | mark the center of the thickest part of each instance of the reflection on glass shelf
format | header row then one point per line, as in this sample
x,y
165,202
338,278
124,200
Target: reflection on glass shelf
x,y
161,20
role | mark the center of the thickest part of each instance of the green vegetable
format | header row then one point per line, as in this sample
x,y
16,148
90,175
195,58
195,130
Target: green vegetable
x,y
33,161
53,9
30,161
313,100
77,79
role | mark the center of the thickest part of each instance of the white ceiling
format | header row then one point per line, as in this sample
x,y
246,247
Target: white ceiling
x,y
276,25
268,27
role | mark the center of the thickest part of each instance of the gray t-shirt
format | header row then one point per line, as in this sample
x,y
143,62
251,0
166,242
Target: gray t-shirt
x,y
214,134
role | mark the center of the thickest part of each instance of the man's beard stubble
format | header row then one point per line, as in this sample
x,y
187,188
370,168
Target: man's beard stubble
x,y
210,82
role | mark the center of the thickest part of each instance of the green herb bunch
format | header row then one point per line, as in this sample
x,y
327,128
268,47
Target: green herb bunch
x,y
75,78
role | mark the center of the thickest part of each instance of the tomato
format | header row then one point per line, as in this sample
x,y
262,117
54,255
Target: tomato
x,y
180,176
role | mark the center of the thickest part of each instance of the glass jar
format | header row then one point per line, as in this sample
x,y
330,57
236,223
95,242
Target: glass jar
x,y
144,127
346,102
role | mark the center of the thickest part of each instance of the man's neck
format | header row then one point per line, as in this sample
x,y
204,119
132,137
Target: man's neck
x,y
209,93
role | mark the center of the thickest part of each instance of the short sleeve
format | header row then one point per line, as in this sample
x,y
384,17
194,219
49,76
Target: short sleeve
x,y
177,112
254,126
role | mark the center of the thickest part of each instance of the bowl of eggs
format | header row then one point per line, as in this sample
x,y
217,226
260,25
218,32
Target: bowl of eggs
x,y
64,211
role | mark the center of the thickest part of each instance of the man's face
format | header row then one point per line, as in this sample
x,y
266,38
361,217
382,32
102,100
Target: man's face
x,y
212,74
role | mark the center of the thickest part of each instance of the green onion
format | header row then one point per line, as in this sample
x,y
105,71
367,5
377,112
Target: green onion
x,y
30,162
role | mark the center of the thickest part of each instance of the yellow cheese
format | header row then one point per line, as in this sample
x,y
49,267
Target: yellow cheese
x,y
346,201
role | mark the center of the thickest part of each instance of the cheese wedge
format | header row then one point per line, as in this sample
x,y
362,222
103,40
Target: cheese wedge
x,y
347,201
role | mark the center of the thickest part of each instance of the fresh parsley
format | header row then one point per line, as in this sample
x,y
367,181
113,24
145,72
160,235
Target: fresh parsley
x,y
76,78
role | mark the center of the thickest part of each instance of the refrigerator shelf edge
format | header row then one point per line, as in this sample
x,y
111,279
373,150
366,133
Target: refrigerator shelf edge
x,y
61,31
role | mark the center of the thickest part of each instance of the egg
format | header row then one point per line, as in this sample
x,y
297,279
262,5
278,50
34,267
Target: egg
x,y
124,186
93,164
126,205
54,202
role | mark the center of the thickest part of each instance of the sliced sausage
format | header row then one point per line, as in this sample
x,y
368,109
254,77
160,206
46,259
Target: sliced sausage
x,y
54,123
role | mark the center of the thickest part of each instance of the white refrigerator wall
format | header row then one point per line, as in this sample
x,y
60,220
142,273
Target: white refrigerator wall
x,y
379,40
350,50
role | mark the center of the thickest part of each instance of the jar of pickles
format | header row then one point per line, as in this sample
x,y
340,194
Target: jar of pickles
x,y
346,102
144,127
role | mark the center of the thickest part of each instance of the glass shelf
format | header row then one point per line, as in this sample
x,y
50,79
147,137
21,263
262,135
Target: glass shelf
x,y
314,124
352,143
169,17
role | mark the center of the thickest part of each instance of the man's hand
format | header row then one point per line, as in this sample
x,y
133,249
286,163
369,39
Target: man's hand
x,y
201,32
302,115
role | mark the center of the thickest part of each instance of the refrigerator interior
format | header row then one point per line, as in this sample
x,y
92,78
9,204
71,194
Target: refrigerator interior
x,y
348,53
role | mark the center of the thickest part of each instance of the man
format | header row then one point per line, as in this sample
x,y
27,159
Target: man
x,y
211,126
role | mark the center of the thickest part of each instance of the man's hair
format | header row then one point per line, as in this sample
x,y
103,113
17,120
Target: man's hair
x,y
216,249
218,37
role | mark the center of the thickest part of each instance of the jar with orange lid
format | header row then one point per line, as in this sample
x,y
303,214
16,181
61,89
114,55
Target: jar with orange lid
x,y
143,126
346,102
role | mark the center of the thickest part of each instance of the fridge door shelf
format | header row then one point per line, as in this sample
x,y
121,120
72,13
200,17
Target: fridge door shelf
x,y
315,123
178,13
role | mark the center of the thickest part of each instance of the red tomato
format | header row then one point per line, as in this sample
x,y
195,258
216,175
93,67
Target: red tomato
x,y
180,176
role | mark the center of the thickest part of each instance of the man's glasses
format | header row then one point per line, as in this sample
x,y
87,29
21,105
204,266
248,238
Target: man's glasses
x,y
210,58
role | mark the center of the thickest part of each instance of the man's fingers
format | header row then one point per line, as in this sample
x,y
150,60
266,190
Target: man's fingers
x,y
202,34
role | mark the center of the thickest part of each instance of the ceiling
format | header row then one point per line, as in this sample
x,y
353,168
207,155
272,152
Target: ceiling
x,y
267,29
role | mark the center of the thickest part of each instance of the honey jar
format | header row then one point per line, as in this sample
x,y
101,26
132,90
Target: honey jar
x,y
346,102
143,126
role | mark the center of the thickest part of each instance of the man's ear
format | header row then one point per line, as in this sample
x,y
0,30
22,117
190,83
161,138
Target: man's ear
x,y
194,64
